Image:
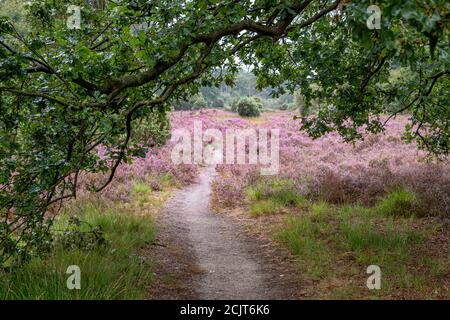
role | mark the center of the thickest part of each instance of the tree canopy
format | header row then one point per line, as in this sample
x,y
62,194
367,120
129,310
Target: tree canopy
x,y
66,90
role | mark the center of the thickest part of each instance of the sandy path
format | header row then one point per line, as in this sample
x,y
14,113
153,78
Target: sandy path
x,y
231,272
209,256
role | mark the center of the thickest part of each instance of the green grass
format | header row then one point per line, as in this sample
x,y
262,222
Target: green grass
x,y
288,197
384,235
263,207
141,187
140,190
303,237
168,180
114,271
398,203
387,246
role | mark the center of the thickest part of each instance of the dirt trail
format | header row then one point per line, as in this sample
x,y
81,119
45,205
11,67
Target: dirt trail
x,y
212,256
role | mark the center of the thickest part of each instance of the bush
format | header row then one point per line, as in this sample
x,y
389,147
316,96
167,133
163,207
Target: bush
x,y
218,103
234,104
152,130
199,102
300,104
249,107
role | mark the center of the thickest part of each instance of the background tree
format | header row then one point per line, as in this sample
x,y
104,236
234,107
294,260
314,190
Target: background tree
x,y
249,107
64,92
194,102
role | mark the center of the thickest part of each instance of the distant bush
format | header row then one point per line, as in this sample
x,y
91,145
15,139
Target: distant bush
x,y
218,103
199,102
193,103
299,102
249,107
151,131
234,104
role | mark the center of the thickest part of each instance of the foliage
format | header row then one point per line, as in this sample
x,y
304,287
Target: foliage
x,y
110,270
65,92
213,97
75,235
336,243
234,104
358,89
397,203
15,10
328,169
284,107
249,107
195,102
152,130
244,85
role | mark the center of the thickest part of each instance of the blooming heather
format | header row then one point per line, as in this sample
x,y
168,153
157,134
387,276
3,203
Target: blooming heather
x,y
339,172
325,168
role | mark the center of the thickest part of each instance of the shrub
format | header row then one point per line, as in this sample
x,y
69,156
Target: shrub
x,y
152,130
81,235
234,104
249,107
195,102
217,103
299,102
199,102
274,196
400,202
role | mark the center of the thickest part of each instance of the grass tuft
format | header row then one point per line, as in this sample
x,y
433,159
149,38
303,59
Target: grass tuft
x,y
114,271
274,197
303,237
264,207
398,203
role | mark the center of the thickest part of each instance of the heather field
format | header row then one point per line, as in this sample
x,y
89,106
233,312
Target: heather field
x,y
325,169
335,207
332,210
340,207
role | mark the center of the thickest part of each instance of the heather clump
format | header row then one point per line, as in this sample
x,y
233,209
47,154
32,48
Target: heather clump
x,y
331,170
